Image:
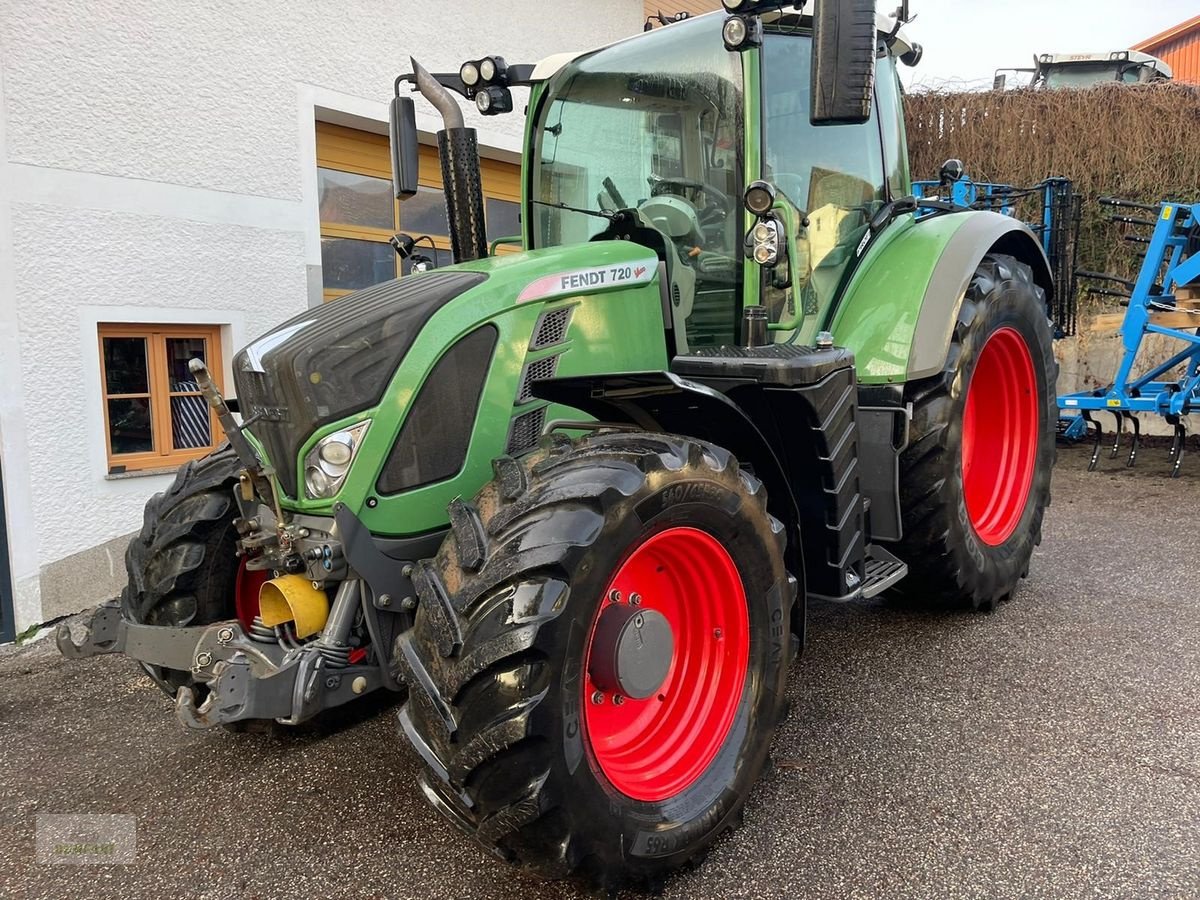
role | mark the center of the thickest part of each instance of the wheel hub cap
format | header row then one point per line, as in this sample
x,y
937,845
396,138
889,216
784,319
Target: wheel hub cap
x,y
631,651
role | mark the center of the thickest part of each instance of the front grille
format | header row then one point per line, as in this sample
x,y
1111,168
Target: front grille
x,y
526,431
330,362
536,371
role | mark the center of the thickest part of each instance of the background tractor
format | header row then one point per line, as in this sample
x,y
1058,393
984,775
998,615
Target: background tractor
x,y
1084,70
574,499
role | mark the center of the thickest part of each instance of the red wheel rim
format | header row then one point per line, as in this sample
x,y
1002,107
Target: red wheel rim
x,y
1000,436
656,748
245,597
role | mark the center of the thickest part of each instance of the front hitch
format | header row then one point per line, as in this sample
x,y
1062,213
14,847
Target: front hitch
x,y
236,678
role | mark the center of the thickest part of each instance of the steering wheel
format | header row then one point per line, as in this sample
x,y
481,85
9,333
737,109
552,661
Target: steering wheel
x,y
717,203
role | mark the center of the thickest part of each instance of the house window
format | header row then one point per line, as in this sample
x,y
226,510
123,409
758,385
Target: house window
x,y
359,213
154,414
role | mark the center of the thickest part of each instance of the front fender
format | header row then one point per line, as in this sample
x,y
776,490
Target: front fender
x,y
663,401
899,310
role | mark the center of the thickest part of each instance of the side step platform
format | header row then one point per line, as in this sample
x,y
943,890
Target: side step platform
x,y
883,570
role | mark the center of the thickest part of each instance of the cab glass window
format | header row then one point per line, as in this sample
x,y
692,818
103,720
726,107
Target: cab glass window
x,y
833,175
653,125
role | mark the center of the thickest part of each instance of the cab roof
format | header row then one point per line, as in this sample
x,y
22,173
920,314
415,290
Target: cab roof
x,y
1132,56
886,25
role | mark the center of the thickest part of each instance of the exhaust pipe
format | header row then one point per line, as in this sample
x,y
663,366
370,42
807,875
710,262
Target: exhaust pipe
x,y
458,150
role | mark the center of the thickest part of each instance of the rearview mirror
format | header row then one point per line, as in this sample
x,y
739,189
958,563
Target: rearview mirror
x,y
843,61
402,133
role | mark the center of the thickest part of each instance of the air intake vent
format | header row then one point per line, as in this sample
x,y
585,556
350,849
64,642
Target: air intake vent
x,y
551,328
536,371
525,431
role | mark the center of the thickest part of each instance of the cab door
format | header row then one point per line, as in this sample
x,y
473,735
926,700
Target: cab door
x,y
833,179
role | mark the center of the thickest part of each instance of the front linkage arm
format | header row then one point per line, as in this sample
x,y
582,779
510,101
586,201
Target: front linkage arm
x,y
245,678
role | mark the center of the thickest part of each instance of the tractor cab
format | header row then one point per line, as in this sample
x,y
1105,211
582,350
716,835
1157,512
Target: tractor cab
x,y
652,140
1052,71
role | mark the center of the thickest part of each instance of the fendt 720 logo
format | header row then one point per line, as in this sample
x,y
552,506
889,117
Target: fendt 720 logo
x,y
592,278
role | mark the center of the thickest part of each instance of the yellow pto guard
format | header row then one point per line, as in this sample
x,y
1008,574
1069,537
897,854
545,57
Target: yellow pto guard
x,y
292,598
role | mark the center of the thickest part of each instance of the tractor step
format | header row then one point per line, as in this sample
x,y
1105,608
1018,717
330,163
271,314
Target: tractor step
x,y
882,571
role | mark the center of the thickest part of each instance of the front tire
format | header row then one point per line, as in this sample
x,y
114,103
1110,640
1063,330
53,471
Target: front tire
x,y
975,478
524,744
182,566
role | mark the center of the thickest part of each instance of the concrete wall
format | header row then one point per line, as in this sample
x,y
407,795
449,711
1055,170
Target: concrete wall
x,y
157,164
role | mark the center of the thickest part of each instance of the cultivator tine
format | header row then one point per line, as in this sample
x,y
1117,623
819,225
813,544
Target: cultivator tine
x,y
1137,437
1092,423
1119,415
1178,448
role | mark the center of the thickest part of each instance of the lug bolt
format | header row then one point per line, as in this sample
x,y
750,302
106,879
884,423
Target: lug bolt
x,y
408,604
203,660
614,596
638,621
407,570
225,635
385,599
635,599
598,697
618,700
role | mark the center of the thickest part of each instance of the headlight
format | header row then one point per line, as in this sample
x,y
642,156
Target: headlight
x,y
328,463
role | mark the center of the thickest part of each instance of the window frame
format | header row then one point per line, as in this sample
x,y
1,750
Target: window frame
x,y
358,152
164,455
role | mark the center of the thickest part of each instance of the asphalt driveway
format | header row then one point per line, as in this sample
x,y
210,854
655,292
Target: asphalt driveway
x,y
1051,749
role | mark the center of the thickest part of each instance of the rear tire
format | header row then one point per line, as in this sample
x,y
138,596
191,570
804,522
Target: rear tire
x,y
183,565
499,690
968,534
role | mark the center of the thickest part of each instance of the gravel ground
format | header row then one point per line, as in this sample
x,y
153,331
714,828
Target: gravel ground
x,y
1051,749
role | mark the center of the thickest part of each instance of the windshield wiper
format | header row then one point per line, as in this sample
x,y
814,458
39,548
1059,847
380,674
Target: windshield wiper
x,y
611,217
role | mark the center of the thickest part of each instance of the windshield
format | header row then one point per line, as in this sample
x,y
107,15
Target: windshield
x,y
652,124
1077,76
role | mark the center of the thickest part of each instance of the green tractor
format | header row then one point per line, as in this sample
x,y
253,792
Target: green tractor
x,y
572,501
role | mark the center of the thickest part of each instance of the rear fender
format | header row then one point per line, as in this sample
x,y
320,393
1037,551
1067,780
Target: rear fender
x,y
899,311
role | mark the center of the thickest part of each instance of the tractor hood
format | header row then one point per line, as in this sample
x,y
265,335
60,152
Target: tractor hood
x,y
333,361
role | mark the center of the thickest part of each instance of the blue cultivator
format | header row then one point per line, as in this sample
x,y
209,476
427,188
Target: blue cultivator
x,y
1165,299
1056,224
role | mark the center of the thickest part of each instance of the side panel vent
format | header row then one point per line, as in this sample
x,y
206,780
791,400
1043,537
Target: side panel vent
x,y
525,431
551,328
535,371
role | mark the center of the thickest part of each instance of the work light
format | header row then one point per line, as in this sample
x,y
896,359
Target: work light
x,y
741,32
760,197
493,100
766,236
749,7
469,73
487,69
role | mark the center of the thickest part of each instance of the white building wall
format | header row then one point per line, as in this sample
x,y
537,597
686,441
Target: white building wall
x,y
157,164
